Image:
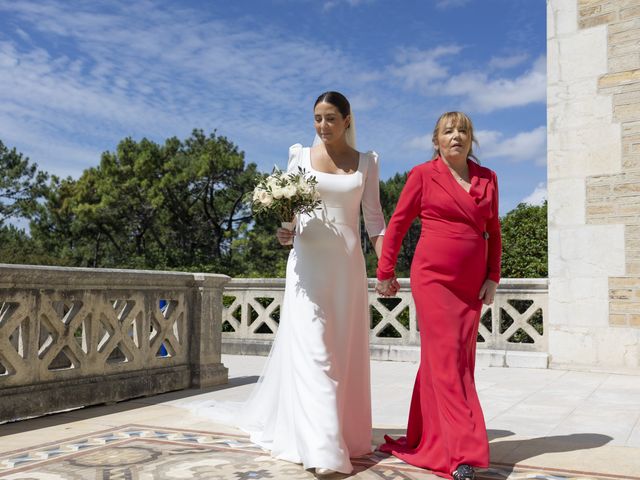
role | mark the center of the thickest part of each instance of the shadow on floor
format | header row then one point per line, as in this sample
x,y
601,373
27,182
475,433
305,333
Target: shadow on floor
x,y
512,452
92,411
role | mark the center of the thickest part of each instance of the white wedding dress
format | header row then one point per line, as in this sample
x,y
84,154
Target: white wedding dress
x,y
312,404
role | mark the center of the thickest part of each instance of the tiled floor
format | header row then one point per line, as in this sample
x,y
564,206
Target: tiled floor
x,y
542,424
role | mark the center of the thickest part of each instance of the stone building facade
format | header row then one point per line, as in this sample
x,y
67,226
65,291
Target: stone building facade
x,y
593,119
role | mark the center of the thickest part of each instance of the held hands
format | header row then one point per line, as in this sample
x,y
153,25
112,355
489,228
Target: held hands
x,y
388,288
488,291
285,237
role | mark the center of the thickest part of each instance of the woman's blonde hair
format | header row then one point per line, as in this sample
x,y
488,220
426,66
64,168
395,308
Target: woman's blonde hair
x,y
457,119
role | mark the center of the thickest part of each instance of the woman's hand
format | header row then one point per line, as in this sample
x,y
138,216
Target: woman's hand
x,y
388,288
285,237
488,291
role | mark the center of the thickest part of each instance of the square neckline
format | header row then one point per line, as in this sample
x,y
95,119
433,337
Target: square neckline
x,y
312,168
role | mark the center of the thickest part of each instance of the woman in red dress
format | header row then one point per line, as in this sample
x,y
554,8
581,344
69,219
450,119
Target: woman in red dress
x,y
455,269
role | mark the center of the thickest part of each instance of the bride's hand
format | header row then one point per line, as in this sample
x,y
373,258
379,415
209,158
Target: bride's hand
x,y
285,237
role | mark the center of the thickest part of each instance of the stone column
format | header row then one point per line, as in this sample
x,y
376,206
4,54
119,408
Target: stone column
x,y
206,331
593,118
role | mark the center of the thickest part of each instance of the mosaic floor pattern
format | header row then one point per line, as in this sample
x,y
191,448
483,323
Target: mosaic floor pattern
x,y
134,452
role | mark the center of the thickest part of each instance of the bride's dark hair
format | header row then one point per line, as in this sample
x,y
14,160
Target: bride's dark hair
x,y
337,100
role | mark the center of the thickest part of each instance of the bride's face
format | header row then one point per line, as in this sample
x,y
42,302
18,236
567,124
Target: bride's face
x,y
329,123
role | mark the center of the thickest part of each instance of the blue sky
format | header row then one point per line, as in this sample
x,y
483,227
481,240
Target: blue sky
x,y
76,77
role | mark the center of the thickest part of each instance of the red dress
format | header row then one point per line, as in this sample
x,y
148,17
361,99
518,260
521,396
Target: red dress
x,y
459,247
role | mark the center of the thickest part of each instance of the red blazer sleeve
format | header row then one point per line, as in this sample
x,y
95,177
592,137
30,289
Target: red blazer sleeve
x,y
495,237
407,209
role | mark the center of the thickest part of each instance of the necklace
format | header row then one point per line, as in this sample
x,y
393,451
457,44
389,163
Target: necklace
x,y
458,177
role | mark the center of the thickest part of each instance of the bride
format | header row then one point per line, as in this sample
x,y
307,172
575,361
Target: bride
x,y
313,402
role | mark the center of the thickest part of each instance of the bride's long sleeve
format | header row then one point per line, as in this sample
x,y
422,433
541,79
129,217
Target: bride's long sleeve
x,y
371,208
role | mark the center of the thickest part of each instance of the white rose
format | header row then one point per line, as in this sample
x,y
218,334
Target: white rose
x,y
257,192
272,183
277,191
303,186
289,191
265,198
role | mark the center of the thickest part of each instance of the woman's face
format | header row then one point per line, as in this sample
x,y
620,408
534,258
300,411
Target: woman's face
x,y
453,141
329,123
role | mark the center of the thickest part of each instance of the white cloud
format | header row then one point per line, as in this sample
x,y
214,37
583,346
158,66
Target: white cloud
x,y
141,71
538,196
528,146
331,4
421,143
428,72
444,4
419,68
508,61
486,95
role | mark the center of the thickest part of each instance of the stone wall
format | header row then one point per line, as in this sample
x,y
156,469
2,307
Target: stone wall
x,y
594,183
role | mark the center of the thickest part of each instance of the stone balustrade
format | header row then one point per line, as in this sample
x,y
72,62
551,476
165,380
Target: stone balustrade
x,y
512,332
72,337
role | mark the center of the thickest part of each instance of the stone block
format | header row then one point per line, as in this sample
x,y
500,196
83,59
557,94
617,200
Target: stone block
x,y
581,302
516,359
628,190
624,307
589,8
594,20
572,346
589,251
621,294
618,320
562,17
591,44
630,27
618,347
630,161
605,211
618,49
630,12
599,191
584,150
624,63
626,113
624,282
620,78
490,358
629,96
566,204
631,128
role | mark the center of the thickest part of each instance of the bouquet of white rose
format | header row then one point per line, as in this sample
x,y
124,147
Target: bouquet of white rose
x,y
286,195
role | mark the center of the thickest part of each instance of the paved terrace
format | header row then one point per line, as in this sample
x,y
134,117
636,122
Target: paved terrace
x,y
542,424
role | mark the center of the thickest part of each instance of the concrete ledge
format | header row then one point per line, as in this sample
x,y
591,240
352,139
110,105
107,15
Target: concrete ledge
x,y
517,359
405,353
33,400
233,346
395,353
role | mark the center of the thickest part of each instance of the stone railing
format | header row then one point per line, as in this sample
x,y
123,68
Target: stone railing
x,y
76,336
512,332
